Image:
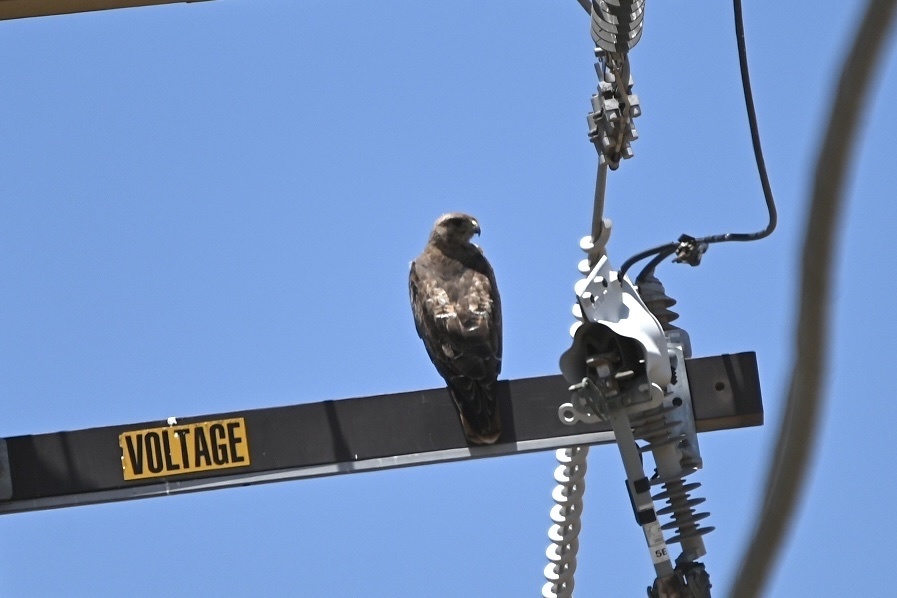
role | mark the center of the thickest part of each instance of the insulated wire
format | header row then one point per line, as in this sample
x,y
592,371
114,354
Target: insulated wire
x,y
798,431
755,136
668,248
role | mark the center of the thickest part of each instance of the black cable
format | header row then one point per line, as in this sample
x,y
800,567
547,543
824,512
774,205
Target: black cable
x,y
758,155
649,267
755,136
661,250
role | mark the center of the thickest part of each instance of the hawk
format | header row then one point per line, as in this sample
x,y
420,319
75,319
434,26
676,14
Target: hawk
x,y
457,313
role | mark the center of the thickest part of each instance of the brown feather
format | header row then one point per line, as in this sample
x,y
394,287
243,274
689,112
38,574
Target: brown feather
x,y
457,312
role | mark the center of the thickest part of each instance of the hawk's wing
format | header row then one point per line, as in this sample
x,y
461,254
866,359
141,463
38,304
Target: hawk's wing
x,y
457,312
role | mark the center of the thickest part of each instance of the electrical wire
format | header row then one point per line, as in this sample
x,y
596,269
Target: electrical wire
x,y
755,135
664,250
650,266
669,248
803,408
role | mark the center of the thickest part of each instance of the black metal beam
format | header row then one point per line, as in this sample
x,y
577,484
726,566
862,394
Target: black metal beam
x,y
315,439
20,9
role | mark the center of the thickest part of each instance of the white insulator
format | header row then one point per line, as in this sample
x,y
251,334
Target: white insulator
x,y
563,587
586,244
584,267
556,535
580,285
566,515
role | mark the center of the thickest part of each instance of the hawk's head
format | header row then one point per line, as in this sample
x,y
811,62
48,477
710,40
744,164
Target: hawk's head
x,y
455,228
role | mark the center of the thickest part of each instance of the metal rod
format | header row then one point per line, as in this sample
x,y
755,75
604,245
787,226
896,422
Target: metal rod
x,y
641,496
598,214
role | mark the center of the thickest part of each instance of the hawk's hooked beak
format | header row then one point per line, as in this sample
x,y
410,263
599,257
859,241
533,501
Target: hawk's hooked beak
x,y
476,227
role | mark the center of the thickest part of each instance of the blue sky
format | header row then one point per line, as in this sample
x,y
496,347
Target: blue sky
x,y
212,207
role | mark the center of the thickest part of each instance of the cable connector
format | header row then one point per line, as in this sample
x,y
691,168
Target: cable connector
x,y
690,250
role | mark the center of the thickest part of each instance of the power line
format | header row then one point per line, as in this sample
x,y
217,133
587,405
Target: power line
x,y
690,249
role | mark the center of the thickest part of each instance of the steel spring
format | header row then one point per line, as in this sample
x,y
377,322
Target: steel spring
x,y
566,515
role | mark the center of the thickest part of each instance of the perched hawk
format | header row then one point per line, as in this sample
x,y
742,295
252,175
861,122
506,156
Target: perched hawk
x,y
457,313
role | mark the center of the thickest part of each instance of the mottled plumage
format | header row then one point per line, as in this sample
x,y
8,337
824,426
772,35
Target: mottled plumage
x,y
457,312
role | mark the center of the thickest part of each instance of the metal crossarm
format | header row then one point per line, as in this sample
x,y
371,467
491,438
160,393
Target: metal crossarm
x,y
177,455
20,9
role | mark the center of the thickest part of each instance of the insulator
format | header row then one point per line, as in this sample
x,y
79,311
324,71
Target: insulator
x,y
653,446
566,515
651,290
584,267
642,417
653,419
659,480
659,428
681,509
686,487
686,504
617,25
655,428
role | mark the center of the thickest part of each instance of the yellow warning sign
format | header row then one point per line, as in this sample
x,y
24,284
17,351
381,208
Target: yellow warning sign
x,y
180,449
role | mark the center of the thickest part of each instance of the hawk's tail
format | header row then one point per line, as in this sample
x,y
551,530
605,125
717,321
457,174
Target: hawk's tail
x,y
477,404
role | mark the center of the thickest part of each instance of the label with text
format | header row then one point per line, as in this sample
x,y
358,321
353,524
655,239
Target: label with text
x,y
181,449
